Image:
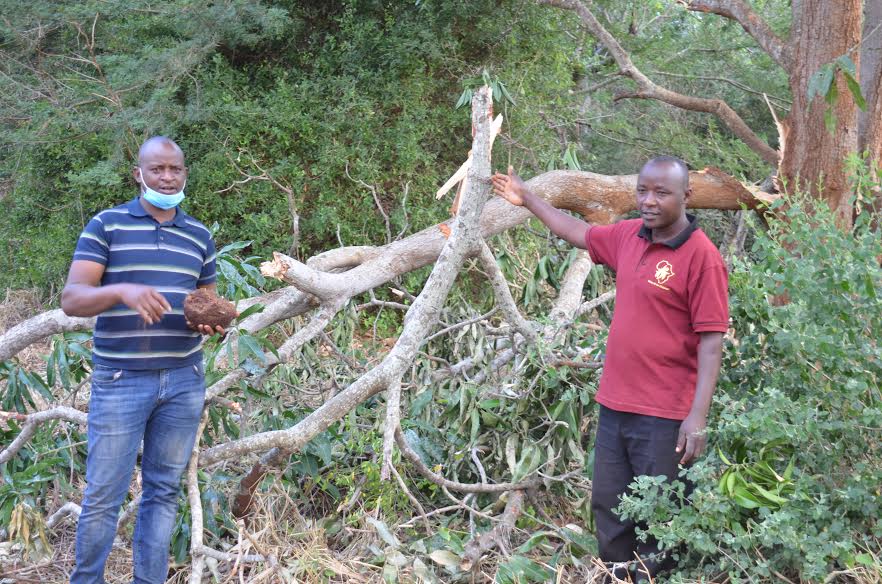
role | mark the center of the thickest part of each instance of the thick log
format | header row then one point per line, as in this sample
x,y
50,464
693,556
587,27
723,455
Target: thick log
x,y
598,198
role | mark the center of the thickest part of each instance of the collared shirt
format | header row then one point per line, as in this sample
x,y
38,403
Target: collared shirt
x,y
174,257
666,294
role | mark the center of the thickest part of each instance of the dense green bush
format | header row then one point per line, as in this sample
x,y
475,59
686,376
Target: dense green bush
x,y
308,90
792,480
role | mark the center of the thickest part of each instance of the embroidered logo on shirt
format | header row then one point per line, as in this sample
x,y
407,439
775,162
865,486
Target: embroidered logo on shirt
x,y
664,271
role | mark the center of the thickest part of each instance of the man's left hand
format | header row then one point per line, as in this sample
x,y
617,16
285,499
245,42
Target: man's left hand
x,y
692,438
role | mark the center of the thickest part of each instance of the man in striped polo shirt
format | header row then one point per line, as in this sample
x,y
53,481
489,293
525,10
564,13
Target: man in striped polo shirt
x,y
133,267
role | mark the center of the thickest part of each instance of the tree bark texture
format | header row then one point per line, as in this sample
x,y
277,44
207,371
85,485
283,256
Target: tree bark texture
x,y
812,154
870,121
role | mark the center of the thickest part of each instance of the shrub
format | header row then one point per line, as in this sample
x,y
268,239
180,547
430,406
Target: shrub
x,y
791,483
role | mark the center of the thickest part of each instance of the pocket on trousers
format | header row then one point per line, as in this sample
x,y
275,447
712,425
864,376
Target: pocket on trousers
x,y
106,375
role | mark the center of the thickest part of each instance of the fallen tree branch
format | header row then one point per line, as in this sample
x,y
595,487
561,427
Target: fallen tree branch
x,y
194,497
590,305
67,510
461,325
424,470
600,199
33,421
647,89
38,328
499,536
502,293
413,499
393,419
307,333
228,557
419,320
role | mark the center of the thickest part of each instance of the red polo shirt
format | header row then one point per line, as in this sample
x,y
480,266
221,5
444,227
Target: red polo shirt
x,y
666,293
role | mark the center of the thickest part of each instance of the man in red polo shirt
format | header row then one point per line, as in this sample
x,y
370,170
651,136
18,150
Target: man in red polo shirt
x,y
664,347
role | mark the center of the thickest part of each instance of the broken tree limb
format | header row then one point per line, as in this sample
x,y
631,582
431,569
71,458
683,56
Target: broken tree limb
x,y
590,305
393,419
38,328
312,329
503,295
197,565
600,199
460,175
69,509
418,322
420,466
33,421
499,536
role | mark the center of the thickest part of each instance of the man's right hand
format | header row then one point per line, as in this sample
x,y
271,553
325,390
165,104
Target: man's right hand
x,y
510,187
144,300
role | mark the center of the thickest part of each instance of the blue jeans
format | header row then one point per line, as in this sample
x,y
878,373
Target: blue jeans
x,y
162,407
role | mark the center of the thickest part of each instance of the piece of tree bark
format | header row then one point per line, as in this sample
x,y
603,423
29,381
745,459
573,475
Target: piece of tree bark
x,y
869,121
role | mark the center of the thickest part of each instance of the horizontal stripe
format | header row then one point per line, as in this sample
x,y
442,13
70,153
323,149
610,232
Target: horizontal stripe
x,y
173,290
94,237
152,268
144,354
118,211
128,227
117,247
94,255
144,333
198,225
185,235
210,259
130,312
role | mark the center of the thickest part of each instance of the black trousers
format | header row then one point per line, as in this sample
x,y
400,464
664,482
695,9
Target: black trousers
x,y
627,446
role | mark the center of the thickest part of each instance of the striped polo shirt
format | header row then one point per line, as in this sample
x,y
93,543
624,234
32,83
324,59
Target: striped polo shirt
x,y
174,257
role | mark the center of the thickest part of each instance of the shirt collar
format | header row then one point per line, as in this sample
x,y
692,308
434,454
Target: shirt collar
x,y
135,209
678,239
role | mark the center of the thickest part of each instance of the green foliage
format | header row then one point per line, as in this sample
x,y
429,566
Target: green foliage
x,y
285,106
792,483
821,84
68,362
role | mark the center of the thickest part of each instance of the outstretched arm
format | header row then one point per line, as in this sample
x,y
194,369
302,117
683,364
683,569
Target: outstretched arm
x,y
511,188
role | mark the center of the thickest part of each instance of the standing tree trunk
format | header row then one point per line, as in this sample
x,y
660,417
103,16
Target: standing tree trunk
x,y
869,134
810,157
813,157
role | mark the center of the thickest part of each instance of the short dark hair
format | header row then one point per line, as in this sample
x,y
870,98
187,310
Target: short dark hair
x,y
154,140
674,161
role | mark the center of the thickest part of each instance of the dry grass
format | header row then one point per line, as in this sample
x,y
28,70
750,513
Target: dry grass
x,y
56,569
304,554
18,306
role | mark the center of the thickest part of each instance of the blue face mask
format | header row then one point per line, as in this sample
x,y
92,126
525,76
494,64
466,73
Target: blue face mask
x,y
158,199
